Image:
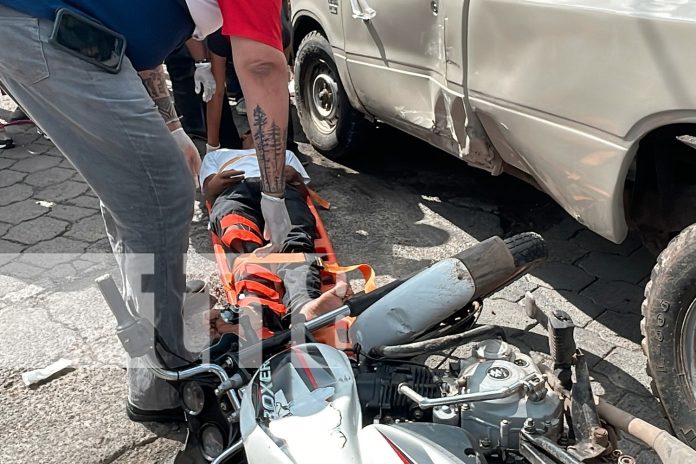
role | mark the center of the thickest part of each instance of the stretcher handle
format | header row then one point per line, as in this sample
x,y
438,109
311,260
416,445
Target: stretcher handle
x,y
361,301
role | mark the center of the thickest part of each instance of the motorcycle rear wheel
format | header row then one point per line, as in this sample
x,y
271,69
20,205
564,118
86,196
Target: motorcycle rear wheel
x,y
669,333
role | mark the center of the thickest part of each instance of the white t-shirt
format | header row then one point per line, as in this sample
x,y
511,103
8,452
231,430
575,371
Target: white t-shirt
x,y
206,16
247,162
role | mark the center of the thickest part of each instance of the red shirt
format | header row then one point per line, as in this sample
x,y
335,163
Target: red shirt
x,y
257,20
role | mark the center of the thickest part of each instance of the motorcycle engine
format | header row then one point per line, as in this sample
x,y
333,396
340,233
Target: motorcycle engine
x,y
492,367
493,425
378,391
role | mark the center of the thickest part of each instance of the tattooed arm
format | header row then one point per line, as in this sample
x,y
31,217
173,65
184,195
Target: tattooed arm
x,y
263,75
156,85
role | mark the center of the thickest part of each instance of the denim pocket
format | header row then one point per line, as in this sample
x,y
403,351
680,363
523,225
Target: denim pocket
x,y
23,61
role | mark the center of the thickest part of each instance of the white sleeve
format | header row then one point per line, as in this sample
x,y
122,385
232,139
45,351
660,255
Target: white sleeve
x,y
291,160
208,167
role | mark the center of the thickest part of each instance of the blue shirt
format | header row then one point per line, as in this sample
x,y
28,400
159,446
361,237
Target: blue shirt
x,y
152,28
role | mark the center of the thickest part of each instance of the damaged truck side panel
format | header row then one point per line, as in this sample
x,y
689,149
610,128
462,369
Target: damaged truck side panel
x,y
560,92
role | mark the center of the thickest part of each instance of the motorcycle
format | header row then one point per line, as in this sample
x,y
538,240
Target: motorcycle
x,y
379,402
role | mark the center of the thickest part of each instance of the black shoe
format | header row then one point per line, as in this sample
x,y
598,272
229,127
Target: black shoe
x,y
161,415
6,143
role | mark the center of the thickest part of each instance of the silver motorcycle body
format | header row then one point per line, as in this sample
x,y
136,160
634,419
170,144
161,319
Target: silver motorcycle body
x,y
302,406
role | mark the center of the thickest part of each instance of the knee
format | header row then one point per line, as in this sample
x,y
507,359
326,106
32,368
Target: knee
x,y
298,241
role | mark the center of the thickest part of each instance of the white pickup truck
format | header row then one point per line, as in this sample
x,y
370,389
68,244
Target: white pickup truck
x,y
593,101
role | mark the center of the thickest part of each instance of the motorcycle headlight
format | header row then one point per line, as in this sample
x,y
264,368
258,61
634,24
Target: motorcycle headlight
x,y
212,441
193,397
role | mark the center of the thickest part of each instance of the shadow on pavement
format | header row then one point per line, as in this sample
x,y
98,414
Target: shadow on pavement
x,y
601,279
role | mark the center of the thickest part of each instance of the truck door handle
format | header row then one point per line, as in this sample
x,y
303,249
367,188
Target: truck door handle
x,y
364,11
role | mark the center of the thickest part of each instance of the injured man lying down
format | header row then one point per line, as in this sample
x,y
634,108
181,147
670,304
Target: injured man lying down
x,y
230,181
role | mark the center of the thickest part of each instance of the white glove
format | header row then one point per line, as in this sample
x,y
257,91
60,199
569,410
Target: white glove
x,y
191,155
209,148
203,77
277,219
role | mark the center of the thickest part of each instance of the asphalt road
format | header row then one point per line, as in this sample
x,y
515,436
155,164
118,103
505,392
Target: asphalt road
x,y
399,206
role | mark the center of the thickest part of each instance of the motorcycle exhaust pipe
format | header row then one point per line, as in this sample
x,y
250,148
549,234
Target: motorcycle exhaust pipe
x,y
401,311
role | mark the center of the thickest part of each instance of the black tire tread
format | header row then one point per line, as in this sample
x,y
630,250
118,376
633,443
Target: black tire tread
x,y
353,123
527,248
680,248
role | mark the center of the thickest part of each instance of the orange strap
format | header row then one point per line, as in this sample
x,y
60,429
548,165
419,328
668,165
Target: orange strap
x,y
234,160
235,219
244,271
366,270
256,287
276,307
273,258
246,235
317,199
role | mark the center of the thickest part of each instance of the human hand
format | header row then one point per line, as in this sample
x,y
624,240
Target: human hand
x,y
278,224
209,148
204,79
218,183
292,177
191,155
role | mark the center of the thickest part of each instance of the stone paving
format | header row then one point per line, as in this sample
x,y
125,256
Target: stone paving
x,y
52,246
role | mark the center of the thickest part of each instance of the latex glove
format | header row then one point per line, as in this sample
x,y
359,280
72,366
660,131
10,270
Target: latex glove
x,y
277,219
203,78
191,155
209,148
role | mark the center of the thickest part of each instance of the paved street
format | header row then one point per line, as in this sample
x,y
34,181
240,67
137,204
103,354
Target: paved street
x,y
399,207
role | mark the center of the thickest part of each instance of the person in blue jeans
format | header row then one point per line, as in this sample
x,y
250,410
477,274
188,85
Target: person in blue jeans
x,y
123,135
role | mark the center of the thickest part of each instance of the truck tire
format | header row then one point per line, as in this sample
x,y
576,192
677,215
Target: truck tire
x,y
669,333
330,123
527,248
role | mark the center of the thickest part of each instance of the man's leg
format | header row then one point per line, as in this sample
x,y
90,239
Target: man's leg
x,y
302,281
108,127
242,199
229,135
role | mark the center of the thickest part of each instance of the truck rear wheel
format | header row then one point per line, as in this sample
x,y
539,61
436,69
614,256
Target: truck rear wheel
x,y
331,125
669,331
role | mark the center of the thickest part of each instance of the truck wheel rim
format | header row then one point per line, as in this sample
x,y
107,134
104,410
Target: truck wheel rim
x,y
688,346
324,92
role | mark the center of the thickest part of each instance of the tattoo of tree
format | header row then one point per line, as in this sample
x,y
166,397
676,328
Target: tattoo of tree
x,y
270,151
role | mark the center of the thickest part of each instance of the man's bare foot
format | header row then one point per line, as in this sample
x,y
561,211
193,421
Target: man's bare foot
x,y
327,301
217,327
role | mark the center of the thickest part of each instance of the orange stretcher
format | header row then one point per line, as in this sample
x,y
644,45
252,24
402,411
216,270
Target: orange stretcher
x,y
228,265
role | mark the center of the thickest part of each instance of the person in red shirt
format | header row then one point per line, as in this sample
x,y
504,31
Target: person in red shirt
x,y
257,47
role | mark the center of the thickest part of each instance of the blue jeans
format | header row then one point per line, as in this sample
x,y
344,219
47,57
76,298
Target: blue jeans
x,y
108,127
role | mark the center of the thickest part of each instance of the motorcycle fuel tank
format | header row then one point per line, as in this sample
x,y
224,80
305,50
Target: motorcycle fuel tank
x,y
302,407
415,306
417,443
